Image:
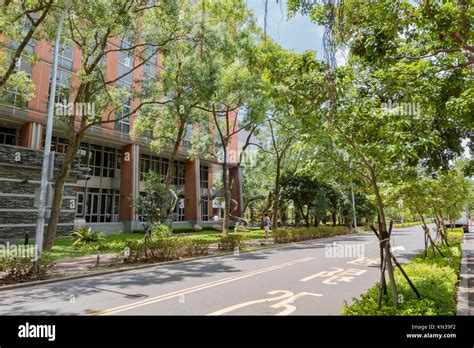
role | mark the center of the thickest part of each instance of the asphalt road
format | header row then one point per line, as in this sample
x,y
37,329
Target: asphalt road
x,y
299,279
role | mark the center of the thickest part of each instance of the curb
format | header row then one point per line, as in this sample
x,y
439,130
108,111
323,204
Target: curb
x,y
126,269
463,289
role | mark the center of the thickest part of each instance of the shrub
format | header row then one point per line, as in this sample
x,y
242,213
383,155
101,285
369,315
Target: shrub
x,y
17,269
166,249
241,227
84,235
434,277
197,247
161,231
288,235
231,241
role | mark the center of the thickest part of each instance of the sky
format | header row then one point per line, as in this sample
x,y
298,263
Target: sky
x,y
298,33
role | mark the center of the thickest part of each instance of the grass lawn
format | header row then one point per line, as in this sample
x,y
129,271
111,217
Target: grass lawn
x,y
113,243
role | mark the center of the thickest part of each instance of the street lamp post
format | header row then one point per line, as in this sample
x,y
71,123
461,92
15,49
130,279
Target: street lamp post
x,y
354,207
47,146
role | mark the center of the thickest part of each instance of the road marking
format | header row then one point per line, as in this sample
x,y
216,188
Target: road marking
x,y
287,298
196,288
339,275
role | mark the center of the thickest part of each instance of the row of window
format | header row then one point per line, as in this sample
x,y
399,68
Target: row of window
x,y
64,75
98,205
160,165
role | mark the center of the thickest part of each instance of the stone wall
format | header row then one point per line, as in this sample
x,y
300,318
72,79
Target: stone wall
x,y
20,175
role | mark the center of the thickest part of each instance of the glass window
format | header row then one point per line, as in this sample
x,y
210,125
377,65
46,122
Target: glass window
x,y
8,136
66,56
122,123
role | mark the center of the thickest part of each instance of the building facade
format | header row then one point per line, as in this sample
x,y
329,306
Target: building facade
x,y
117,162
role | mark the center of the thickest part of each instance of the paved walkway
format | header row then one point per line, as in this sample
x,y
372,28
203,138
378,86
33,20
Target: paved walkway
x,y
466,284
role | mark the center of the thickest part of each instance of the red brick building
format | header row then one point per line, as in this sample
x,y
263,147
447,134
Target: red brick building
x,y
102,201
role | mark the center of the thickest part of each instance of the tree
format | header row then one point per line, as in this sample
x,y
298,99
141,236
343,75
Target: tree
x,y
91,27
184,82
237,101
155,203
21,22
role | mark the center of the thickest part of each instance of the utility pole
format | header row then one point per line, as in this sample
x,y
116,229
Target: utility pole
x,y
354,207
46,171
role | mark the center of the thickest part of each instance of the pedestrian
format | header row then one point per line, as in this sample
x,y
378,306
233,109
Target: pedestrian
x,y
266,225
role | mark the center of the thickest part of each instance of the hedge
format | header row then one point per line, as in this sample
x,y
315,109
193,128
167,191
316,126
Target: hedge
x,y
434,277
288,235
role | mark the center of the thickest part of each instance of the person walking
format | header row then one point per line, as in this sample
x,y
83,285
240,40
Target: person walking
x,y
266,225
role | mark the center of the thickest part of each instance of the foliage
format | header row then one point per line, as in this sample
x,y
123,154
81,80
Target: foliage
x,y
166,249
156,202
434,277
289,235
231,241
17,269
84,235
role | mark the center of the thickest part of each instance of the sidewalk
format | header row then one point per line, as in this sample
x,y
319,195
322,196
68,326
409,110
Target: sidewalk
x,y
466,285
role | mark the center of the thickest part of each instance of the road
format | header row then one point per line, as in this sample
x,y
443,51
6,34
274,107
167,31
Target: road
x,y
311,278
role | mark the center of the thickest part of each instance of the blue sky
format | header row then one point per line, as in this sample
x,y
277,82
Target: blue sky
x,y
298,33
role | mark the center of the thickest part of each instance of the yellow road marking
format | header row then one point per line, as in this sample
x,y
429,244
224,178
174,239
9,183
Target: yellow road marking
x,y
196,288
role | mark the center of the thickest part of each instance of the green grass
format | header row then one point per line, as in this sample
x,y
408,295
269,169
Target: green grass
x,y
407,224
434,277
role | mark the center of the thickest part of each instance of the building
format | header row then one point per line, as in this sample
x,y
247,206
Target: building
x,y
101,201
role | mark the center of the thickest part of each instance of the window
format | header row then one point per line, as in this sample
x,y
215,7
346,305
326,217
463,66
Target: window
x,y
79,204
151,163
8,136
188,136
104,162
150,68
204,175
122,117
179,209
65,57
13,97
59,145
63,83
204,184
178,173
101,205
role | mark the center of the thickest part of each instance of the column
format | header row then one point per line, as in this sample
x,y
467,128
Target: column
x,y
192,211
31,135
129,185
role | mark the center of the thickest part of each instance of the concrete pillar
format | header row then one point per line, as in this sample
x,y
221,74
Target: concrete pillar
x,y
192,210
31,135
129,185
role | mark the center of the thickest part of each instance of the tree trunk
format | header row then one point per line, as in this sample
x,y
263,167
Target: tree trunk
x,y
226,188
276,201
60,180
334,217
384,235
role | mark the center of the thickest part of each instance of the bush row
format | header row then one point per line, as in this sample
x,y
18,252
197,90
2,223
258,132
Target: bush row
x,y
231,241
18,269
289,235
434,277
166,249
